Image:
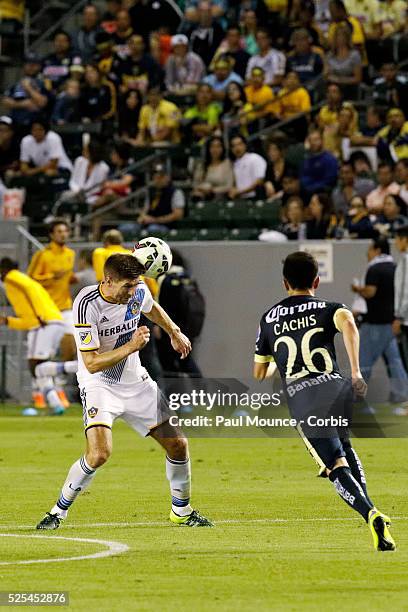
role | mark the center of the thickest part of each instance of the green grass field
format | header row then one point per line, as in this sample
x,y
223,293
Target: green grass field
x,y
283,539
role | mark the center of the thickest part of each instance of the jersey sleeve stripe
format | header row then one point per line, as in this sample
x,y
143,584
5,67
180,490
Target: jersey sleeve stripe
x,y
82,325
88,350
83,303
263,358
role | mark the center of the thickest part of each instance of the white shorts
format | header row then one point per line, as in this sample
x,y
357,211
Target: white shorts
x,y
68,318
138,404
43,342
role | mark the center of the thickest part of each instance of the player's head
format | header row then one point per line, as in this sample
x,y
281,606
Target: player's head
x,y
378,246
58,231
300,272
401,238
121,275
112,236
6,265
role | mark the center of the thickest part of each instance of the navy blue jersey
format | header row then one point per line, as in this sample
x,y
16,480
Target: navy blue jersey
x,y
298,334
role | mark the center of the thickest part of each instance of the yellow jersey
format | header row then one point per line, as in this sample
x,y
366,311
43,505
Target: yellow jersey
x,y
44,264
264,97
32,304
101,254
292,103
166,115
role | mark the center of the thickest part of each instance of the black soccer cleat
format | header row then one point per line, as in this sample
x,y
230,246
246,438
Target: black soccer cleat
x,y
50,521
195,519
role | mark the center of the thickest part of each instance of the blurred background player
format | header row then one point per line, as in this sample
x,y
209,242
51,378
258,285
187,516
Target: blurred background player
x,y
37,313
53,268
85,275
298,335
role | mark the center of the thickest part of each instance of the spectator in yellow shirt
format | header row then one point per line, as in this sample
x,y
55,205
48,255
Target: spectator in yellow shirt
x,y
159,121
260,96
112,243
393,139
37,313
53,268
329,113
293,98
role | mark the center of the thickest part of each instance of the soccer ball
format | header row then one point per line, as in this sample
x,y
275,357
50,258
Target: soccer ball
x,y
154,254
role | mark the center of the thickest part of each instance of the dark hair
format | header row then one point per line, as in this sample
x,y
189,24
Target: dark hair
x,y
359,156
96,150
326,202
386,164
227,106
64,33
178,259
399,202
401,231
7,264
41,121
403,161
86,254
381,244
121,266
207,154
123,150
233,26
112,236
278,139
300,269
57,221
264,31
291,172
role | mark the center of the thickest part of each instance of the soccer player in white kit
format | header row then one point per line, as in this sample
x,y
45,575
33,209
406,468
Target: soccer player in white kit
x,y
113,384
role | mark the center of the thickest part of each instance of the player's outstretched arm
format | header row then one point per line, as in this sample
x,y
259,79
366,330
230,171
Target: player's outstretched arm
x,y
179,341
345,323
97,362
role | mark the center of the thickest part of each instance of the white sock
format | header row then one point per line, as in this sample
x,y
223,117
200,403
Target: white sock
x,y
79,478
53,368
179,476
47,387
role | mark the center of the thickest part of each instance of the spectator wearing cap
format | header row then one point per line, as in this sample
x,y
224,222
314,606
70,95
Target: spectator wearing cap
x,y
307,64
159,121
249,170
27,99
165,206
223,75
56,66
232,46
393,138
391,89
319,170
138,70
97,101
386,186
184,69
260,96
201,119
206,37
270,60
84,40
42,152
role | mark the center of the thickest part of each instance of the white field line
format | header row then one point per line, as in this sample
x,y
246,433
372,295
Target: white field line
x,y
112,548
163,523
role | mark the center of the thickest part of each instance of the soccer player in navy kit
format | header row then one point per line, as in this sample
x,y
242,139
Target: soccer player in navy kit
x,y
298,335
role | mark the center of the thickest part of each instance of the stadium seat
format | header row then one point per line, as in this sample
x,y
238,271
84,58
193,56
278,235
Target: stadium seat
x,y
267,214
213,233
243,233
182,234
239,212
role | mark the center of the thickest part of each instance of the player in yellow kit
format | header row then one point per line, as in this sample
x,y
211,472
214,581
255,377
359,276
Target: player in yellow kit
x,y
53,268
38,314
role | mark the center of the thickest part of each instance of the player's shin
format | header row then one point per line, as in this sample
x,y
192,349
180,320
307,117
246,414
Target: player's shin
x,y
55,368
350,490
79,478
179,476
47,387
357,469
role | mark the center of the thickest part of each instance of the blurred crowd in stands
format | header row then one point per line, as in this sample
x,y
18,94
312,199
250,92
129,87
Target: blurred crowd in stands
x,y
298,103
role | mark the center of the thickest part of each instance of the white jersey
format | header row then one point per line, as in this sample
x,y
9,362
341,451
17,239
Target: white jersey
x,y
103,326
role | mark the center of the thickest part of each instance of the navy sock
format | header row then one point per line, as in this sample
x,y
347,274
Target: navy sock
x,y
350,490
357,470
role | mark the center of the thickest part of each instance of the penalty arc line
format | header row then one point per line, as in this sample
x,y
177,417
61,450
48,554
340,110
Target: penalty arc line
x,y
113,548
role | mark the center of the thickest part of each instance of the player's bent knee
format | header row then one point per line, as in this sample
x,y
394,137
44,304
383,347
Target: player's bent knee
x,y
177,448
97,457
